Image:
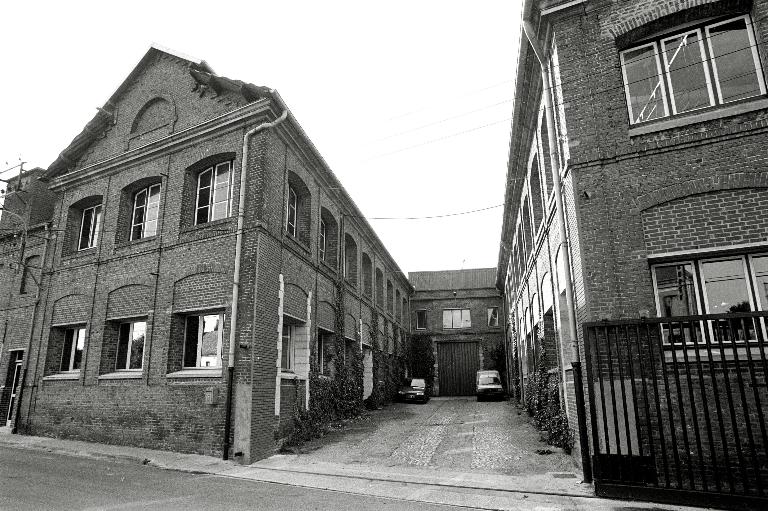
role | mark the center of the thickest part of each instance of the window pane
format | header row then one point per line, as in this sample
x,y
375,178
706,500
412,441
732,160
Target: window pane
x,y
96,226
456,319
85,229
447,319
466,320
760,269
204,179
66,355
222,174
202,215
79,344
211,342
421,319
675,290
140,200
154,195
122,345
734,60
203,197
137,345
219,210
688,76
725,286
150,228
643,85
190,341
285,362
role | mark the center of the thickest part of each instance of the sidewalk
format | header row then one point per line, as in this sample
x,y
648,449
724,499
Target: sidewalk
x,y
473,490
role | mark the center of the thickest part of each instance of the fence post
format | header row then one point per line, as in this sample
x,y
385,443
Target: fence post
x,y
586,462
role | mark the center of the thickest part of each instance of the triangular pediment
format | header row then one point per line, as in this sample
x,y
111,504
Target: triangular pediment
x,y
164,93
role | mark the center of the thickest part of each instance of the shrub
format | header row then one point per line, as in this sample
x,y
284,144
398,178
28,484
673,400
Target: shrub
x,y
542,401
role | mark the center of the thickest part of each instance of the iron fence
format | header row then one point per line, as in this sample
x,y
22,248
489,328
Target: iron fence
x,y
677,408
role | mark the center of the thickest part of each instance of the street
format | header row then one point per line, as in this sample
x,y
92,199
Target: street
x,y
35,480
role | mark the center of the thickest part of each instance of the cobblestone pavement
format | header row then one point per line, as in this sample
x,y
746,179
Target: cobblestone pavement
x,y
447,433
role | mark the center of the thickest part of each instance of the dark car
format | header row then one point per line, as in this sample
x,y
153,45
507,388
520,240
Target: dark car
x,y
413,390
489,385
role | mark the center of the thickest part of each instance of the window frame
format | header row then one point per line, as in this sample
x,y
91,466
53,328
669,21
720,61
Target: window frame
x,y
490,316
708,62
199,347
461,319
322,240
286,353
75,329
212,169
292,203
95,227
419,325
147,191
127,365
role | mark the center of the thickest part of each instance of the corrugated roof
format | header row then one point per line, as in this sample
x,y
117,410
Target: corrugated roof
x,y
453,279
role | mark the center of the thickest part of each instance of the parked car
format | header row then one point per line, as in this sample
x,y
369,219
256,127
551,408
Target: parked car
x,y
489,385
413,390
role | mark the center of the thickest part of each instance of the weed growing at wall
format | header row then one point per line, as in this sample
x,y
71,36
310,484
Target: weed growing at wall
x,y
542,401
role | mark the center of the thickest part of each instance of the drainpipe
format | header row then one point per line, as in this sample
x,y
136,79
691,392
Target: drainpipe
x,y
236,279
542,57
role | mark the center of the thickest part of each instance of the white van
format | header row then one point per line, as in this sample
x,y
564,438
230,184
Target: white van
x,y
489,385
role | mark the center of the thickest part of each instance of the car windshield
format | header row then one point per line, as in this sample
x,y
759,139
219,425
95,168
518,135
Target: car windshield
x,y
489,380
417,383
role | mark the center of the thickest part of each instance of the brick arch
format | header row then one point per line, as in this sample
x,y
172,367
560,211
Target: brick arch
x,y
157,110
350,326
70,309
295,300
701,185
326,315
202,290
129,300
636,19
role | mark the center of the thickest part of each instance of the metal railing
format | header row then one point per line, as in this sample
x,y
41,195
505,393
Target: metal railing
x,y
679,404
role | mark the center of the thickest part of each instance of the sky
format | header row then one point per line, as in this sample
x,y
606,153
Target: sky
x,y
409,102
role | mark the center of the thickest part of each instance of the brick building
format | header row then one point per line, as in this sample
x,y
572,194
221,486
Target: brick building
x,y
459,312
198,233
651,117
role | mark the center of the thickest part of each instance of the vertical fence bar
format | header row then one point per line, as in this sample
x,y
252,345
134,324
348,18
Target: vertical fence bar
x,y
705,408
670,413
624,402
745,404
681,408
657,396
708,340
694,422
630,361
591,389
602,395
732,410
644,384
616,429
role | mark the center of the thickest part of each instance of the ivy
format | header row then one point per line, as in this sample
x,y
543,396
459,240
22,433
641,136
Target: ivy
x,y
542,401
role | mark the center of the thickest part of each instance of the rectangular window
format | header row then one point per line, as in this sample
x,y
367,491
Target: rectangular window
x,y
286,361
89,228
456,318
724,53
321,243
202,340
214,193
421,319
72,354
493,316
293,201
146,206
676,296
130,345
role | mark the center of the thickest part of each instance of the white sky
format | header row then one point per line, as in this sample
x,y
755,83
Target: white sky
x,y
364,79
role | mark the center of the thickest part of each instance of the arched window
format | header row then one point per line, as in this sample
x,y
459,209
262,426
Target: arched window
x,y
30,278
350,259
139,210
398,305
298,209
367,276
214,193
536,193
390,291
84,220
328,239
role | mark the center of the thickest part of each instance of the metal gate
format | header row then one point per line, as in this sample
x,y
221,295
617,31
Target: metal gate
x,y
457,366
678,408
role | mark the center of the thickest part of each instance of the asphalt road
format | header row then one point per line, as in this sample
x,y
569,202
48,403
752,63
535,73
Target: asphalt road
x,y
35,480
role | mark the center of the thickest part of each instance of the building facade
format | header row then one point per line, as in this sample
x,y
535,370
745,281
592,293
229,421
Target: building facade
x,y
651,118
459,312
198,234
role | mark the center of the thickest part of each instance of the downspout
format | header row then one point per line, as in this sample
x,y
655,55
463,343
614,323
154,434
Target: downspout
x,y
542,57
35,307
236,278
